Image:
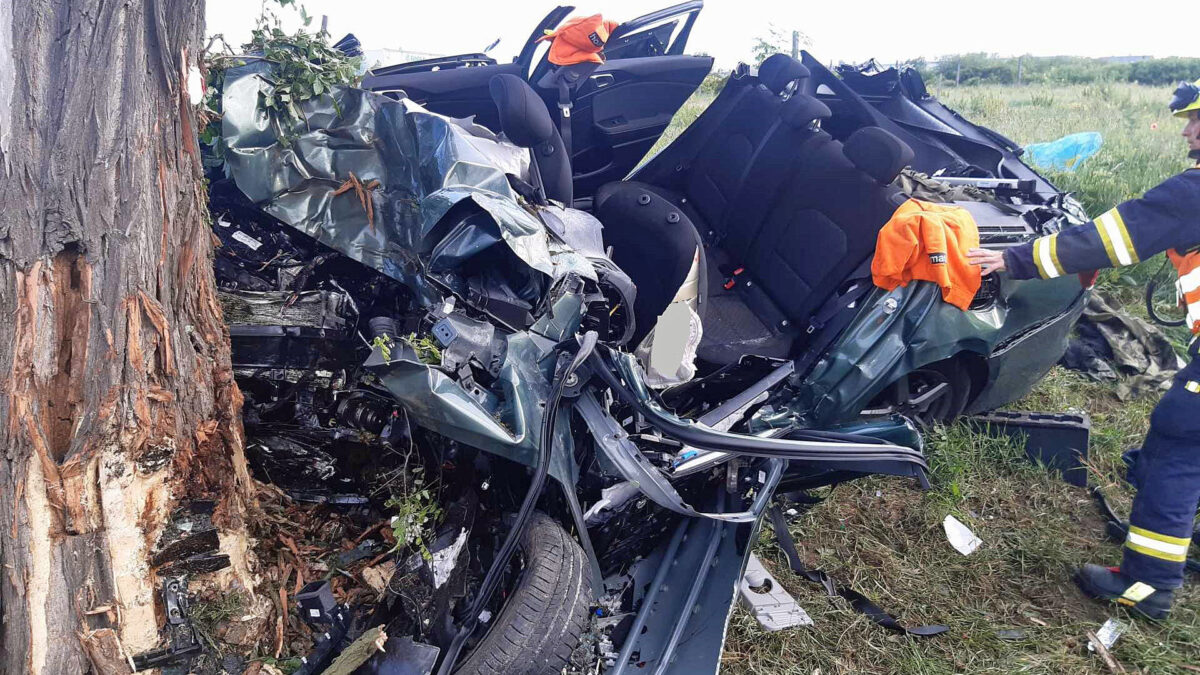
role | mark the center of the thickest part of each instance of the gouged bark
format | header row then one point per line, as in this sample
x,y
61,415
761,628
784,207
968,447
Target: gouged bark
x,y
117,401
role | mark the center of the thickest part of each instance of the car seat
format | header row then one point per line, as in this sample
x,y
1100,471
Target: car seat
x,y
784,211
526,122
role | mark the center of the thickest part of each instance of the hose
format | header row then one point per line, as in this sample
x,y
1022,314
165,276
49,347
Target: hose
x,y
1150,288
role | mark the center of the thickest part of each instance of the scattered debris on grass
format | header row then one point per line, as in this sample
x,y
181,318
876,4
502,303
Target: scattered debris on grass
x,y
960,536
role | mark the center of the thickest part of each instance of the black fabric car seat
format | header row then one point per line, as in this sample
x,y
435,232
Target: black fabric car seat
x,y
654,232
821,227
526,122
655,243
786,211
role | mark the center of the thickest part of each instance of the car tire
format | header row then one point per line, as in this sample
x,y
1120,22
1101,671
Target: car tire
x,y
951,404
543,619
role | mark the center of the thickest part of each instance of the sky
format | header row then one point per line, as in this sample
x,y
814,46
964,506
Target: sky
x,y
849,30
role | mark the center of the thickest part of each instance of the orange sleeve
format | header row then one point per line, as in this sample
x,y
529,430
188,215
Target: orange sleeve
x,y
895,248
965,278
936,263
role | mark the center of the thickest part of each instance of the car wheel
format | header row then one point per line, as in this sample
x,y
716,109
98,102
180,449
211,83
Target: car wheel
x,y
933,394
938,392
543,618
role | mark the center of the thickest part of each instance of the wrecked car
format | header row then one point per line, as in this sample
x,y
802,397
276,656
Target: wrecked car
x,y
888,360
557,374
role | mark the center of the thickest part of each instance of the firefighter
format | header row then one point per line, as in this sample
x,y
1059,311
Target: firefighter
x,y
1167,471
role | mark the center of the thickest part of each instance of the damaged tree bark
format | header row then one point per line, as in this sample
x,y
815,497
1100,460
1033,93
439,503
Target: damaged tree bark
x,y
117,400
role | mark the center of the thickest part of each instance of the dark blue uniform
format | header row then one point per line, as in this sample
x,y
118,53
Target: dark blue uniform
x,y
1167,471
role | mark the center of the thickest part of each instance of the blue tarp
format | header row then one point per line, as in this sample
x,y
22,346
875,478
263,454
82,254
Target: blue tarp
x,y
1066,153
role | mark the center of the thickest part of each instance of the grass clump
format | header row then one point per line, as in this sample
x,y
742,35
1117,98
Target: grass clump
x,y
884,537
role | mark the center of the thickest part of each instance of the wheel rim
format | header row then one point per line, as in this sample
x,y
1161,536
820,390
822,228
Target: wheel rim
x,y
931,397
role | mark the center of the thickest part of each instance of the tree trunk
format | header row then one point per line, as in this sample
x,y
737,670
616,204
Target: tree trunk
x,y
117,400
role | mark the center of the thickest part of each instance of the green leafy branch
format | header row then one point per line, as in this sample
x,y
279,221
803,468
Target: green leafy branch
x,y
305,66
416,510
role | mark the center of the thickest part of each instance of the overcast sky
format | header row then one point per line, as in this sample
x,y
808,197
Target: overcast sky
x,y
850,30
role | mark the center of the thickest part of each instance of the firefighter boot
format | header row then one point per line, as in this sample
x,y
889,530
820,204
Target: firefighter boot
x,y
1108,583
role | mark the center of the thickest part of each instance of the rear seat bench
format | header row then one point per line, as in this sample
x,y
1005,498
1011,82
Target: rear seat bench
x,y
783,212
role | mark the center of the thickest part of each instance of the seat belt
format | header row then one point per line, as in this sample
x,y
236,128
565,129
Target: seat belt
x,y
564,114
833,306
565,79
858,601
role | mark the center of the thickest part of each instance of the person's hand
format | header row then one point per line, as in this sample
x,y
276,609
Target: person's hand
x,y
990,261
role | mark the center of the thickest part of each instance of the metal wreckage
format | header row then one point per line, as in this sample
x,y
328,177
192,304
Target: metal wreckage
x,y
408,290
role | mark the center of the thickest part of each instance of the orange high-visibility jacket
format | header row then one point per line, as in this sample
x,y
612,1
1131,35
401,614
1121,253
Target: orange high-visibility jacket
x,y
579,40
1188,285
928,242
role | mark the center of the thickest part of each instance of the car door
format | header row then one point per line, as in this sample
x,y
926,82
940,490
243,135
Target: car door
x,y
457,86
628,101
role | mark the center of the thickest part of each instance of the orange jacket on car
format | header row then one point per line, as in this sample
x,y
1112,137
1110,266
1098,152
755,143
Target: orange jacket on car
x,y
928,242
579,40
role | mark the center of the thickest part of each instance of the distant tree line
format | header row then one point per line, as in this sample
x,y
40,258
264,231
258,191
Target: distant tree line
x,y
980,68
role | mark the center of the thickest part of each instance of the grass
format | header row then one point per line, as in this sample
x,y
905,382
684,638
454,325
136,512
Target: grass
x,y
884,537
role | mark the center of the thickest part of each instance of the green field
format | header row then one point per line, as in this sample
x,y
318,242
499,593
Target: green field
x,y
884,537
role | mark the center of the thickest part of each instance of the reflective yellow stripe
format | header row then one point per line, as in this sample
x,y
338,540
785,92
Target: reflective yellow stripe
x,y
1181,557
1042,258
1192,386
1108,246
1166,539
1053,244
1138,592
1133,256
1157,545
1116,239
1037,258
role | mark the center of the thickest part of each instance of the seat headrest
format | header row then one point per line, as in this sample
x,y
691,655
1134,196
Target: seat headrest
x,y
780,69
800,111
523,116
877,153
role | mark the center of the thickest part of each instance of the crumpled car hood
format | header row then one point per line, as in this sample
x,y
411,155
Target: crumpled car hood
x,y
425,164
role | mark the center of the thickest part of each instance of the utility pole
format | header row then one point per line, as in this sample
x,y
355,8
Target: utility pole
x,y
1020,63
958,73
795,44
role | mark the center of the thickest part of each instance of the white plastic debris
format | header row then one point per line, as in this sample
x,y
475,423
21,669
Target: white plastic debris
x,y
773,607
445,559
960,536
1108,634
